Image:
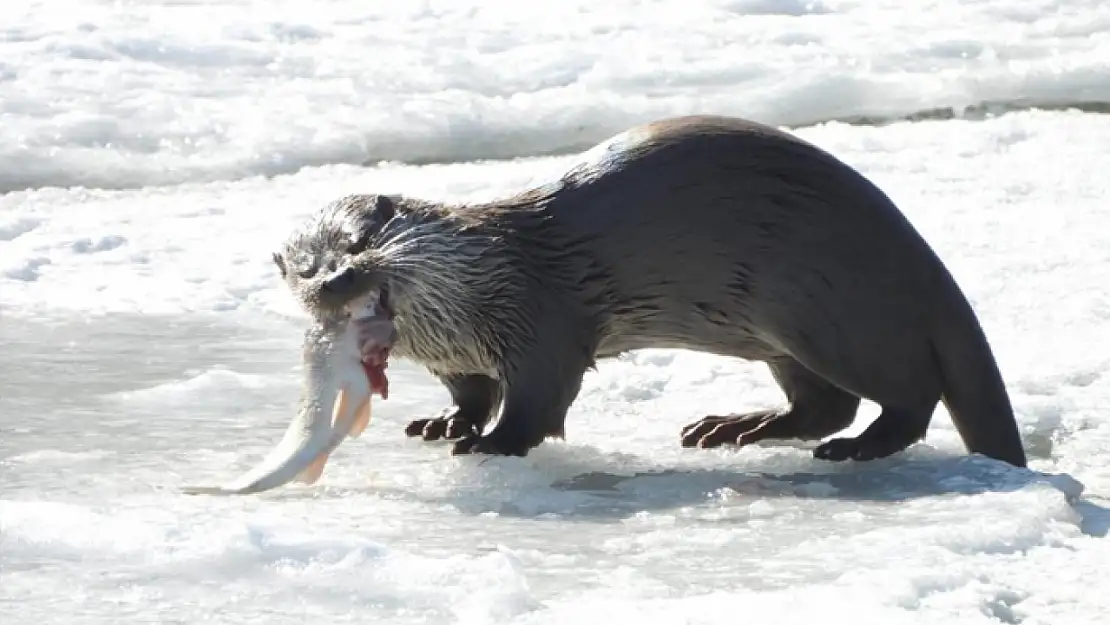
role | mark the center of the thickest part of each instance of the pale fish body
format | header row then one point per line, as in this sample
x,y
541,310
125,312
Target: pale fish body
x,y
335,404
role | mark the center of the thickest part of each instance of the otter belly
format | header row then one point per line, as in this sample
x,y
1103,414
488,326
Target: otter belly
x,y
690,329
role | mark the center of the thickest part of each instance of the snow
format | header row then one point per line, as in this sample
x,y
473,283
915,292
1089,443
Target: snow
x,y
153,155
126,94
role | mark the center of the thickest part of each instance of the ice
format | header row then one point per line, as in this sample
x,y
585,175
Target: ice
x,y
127,94
146,341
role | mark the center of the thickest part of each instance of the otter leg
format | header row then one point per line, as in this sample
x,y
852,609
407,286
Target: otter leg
x,y
894,430
900,375
538,394
475,399
817,409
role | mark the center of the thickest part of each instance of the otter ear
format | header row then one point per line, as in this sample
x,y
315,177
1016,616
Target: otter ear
x,y
280,262
385,207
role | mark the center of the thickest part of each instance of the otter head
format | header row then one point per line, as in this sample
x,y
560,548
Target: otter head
x,y
328,262
329,267
419,270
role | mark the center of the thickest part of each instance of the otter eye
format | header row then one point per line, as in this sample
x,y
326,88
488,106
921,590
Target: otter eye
x,y
360,243
309,270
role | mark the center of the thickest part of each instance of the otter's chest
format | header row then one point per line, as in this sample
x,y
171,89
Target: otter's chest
x,y
445,345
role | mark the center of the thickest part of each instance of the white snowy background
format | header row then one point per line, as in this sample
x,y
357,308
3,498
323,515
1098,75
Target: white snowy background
x,y
153,154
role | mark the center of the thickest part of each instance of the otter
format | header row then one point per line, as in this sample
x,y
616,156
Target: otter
x,y
707,233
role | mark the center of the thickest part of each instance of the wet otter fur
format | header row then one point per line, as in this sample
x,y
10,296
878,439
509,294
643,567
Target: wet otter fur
x,y
704,233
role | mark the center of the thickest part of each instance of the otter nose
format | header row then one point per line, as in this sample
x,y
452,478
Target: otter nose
x,y
340,282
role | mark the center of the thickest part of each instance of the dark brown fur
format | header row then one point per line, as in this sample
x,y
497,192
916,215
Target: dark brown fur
x,y
704,233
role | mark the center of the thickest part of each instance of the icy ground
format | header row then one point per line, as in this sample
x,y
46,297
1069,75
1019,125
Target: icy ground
x,y
148,344
123,93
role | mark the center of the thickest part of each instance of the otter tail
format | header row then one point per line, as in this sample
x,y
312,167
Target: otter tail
x,y
973,390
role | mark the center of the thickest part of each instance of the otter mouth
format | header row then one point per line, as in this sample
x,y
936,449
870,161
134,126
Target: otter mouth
x,y
345,360
372,317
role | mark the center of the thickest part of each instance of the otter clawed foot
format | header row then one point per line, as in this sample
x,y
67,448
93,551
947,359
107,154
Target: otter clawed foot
x,y
860,449
475,444
894,430
434,429
740,430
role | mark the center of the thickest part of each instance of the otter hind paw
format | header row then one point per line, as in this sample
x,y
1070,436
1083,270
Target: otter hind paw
x,y
860,449
739,430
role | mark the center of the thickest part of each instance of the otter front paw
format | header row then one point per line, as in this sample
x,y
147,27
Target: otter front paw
x,y
475,444
449,428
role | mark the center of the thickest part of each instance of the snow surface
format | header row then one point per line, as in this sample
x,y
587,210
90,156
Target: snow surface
x,y
147,343
123,94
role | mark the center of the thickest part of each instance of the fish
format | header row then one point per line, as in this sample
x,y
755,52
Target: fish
x,y
345,358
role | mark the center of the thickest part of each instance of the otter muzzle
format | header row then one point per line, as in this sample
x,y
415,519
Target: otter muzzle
x,y
335,404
